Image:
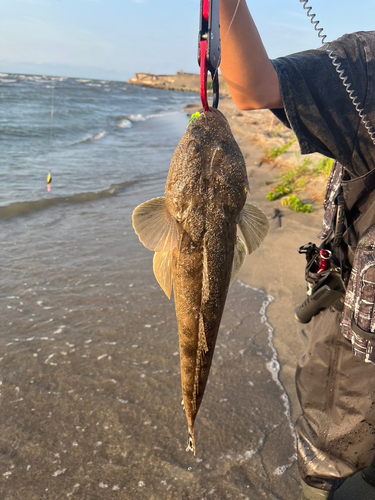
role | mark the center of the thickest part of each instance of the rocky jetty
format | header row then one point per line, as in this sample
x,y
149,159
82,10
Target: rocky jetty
x,y
181,81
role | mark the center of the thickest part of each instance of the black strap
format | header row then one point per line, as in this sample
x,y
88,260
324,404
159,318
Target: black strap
x,y
340,220
361,333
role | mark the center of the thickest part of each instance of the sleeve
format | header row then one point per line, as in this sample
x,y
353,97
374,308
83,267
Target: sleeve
x,y
318,107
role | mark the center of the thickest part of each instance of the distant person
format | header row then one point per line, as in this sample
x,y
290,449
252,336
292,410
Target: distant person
x,y
336,377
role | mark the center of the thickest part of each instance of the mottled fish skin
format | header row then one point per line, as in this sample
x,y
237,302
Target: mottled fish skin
x,y
206,192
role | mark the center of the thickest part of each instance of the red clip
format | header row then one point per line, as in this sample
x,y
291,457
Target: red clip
x,y
209,51
203,55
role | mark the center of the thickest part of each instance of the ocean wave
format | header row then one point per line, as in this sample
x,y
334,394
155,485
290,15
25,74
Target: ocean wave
x,y
36,78
8,80
17,209
142,118
128,120
3,74
91,138
137,118
99,136
125,123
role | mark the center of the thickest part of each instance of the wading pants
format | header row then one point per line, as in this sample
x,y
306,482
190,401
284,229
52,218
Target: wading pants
x,y
336,390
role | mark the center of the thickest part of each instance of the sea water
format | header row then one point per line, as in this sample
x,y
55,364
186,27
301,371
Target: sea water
x,y
94,137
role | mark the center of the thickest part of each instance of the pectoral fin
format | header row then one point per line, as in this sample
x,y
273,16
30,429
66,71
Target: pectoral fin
x,y
239,258
163,271
254,226
156,228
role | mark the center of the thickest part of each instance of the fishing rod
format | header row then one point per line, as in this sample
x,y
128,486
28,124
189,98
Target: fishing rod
x,y
209,49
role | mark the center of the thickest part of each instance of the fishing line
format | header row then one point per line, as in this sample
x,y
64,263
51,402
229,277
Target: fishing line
x,y
227,33
341,72
231,22
52,113
49,176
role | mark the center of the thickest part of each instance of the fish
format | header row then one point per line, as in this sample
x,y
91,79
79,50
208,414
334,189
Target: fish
x,y
198,253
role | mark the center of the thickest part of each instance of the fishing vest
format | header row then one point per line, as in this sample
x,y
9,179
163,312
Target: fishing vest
x,y
349,232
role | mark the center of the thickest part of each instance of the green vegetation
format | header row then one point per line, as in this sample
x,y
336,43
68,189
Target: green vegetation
x,y
296,204
295,180
278,131
289,182
324,167
277,151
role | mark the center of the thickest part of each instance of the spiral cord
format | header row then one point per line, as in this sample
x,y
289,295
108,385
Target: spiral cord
x,y
341,72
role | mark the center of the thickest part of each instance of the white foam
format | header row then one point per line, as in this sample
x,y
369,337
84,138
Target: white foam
x,y
274,368
49,358
124,123
59,472
99,136
142,118
137,118
59,330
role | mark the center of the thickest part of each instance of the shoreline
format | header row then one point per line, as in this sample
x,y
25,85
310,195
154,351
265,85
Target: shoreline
x,y
180,82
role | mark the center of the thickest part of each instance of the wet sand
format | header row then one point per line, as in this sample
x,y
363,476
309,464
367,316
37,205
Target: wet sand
x,y
90,378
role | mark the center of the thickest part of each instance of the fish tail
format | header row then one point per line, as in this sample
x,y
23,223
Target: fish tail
x,y
191,442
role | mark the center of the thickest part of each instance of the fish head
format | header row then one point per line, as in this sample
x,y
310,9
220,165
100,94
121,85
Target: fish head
x,y
207,166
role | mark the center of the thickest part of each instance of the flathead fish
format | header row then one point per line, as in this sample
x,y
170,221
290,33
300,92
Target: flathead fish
x,y
193,232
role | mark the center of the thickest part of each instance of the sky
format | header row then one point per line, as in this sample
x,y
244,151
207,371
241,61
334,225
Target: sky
x,y
114,39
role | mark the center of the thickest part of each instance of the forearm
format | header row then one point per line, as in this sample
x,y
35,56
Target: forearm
x,y
248,72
